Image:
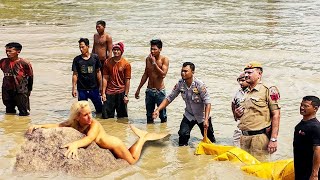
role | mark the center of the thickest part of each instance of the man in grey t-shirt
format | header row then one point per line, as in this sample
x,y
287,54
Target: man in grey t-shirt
x,y
236,103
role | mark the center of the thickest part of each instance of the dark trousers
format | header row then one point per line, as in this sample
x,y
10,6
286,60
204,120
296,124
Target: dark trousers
x,y
114,103
11,99
93,95
186,127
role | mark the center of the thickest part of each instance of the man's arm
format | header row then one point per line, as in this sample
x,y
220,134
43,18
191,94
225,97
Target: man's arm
x,y
164,69
233,108
163,105
104,86
30,83
29,72
126,91
143,80
74,83
207,110
275,122
202,89
315,162
174,93
99,77
109,46
93,47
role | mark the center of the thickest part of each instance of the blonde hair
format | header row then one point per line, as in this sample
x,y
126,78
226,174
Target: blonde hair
x,y
74,112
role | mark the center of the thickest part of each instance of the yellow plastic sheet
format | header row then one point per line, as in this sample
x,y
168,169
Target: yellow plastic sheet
x,y
237,155
278,170
209,148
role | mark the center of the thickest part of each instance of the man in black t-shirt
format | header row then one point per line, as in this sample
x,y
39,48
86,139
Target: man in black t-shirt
x,y
87,76
306,143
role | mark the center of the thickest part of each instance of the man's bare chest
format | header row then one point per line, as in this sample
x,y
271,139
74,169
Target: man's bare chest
x,y
100,40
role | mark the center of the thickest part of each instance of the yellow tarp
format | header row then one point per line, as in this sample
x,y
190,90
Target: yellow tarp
x,y
278,170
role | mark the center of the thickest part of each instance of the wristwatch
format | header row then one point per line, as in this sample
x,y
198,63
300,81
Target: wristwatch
x,y
125,95
273,139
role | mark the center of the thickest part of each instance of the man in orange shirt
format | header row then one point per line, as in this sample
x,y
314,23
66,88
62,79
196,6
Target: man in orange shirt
x,y
116,83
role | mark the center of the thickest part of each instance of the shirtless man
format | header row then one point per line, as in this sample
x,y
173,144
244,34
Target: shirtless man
x,y
81,119
156,70
102,45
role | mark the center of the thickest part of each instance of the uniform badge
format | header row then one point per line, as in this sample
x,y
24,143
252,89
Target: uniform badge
x,y
195,98
274,93
182,90
204,89
195,90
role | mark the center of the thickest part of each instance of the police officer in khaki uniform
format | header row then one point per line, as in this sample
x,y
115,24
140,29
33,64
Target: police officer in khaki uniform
x,y
198,105
259,113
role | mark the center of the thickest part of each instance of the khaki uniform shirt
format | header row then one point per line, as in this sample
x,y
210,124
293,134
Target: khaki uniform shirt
x,y
257,104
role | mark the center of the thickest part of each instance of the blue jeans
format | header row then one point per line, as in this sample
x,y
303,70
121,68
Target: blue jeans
x,y
93,95
153,97
186,127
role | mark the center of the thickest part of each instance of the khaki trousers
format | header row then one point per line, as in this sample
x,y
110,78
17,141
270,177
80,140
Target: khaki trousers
x,y
256,145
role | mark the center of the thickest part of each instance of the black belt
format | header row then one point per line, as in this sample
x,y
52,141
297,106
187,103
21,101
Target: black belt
x,y
251,133
154,90
8,74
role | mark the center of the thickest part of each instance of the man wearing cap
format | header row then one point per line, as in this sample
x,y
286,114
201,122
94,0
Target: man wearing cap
x,y
259,113
116,83
198,106
155,71
236,103
86,77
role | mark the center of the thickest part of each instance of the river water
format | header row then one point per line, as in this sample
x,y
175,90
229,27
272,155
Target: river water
x,y
220,37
